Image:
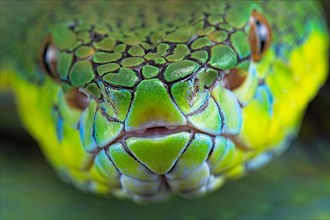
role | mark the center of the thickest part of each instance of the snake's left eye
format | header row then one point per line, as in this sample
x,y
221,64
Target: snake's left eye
x,y
259,36
48,58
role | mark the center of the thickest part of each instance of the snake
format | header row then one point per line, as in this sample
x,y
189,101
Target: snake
x,y
147,99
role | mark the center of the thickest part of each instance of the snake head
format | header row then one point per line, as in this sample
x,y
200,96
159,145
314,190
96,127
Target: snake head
x,y
180,105
127,83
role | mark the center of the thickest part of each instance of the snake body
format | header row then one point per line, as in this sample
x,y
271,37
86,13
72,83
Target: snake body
x,y
139,99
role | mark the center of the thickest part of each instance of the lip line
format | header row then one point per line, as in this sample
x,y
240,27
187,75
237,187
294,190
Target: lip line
x,y
151,133
158,131
136,133
187,128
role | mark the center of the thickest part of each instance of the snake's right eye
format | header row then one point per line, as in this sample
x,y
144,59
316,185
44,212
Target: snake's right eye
x,y
48,58
260,35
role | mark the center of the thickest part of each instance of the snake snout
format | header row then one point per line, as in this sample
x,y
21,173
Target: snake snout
x,y
147,112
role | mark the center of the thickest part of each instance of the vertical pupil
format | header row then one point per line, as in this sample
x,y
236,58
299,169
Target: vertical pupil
x,y
44,61
48,59
259,36
262,34
50,54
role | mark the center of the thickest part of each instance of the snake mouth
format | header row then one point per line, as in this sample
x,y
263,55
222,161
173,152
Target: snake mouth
x,y
164,131
153,133
158,131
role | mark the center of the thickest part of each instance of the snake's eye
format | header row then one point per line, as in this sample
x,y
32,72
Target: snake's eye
x,y
259,36
48,58
76,98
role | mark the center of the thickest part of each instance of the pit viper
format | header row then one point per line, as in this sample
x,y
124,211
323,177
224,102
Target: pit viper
x,y
143,99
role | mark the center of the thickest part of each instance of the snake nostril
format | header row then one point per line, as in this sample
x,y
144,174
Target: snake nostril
x,y
152,106
77,99
234,79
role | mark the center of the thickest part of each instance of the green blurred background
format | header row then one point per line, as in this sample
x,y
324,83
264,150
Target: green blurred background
x,y
293,186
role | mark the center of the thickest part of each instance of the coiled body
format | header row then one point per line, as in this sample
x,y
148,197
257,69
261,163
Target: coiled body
x,y
144,99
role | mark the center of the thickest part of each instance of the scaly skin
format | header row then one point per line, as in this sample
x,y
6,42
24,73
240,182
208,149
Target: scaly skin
x,y
172,96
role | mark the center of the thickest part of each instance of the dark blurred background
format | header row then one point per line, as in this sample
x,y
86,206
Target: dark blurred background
x,y
293,186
